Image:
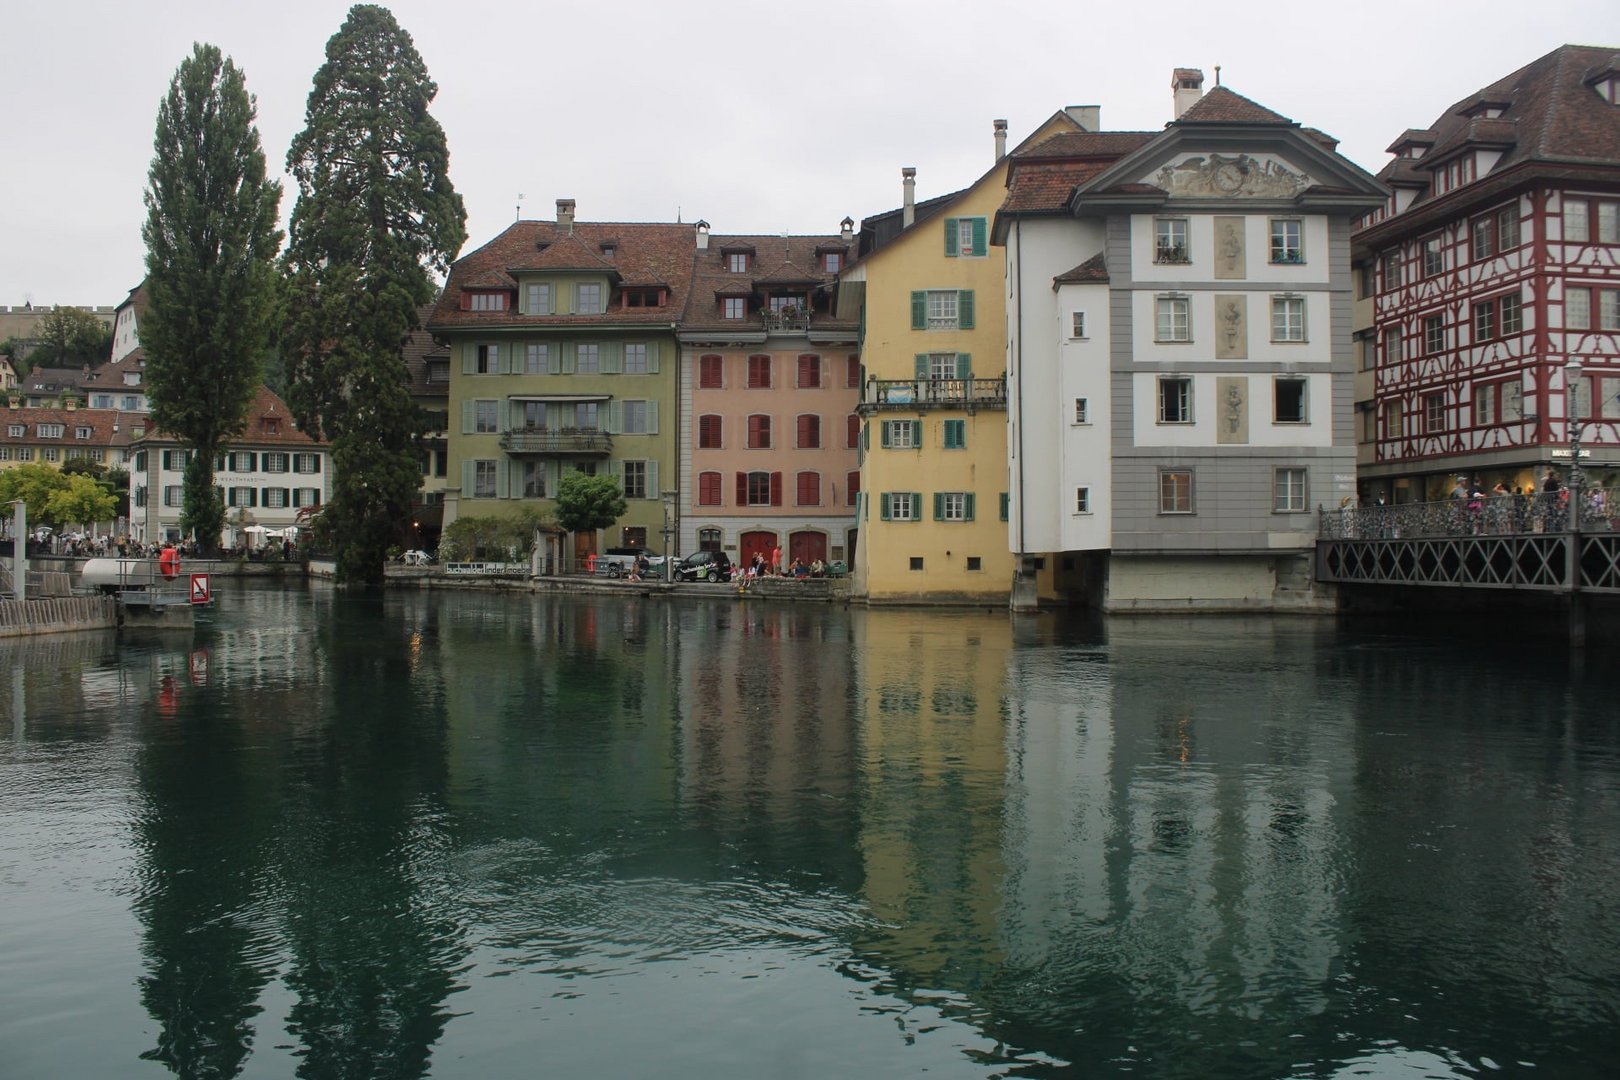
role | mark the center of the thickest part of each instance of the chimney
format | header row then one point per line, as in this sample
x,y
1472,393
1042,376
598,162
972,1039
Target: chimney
x,y
846,229
1089,117
1188,84
702,228
565,214
908,200
1001,138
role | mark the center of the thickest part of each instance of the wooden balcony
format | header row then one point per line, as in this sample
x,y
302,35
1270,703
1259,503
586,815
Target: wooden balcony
x,y
557,442
922,394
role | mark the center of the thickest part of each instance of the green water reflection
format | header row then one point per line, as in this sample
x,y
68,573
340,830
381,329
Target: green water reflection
x,y
458,835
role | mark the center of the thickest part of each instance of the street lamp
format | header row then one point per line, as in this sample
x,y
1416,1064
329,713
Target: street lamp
x,y
1577,475
669,498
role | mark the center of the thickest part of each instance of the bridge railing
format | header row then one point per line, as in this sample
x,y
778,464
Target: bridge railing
x,y
1494,515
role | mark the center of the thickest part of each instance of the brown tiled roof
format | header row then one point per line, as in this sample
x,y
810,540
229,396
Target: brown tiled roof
x,y
419,348
647,254
1094,269
101,423
266,404
1222,106
1087,144
1046,186
110,376
777,261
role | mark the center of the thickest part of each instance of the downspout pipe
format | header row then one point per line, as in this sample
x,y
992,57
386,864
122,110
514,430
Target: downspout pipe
x,y
1018,291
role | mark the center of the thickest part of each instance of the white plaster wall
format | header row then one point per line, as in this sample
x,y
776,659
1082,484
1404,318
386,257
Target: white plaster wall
x,y
1317,431
1315,349
1257,250
1083,366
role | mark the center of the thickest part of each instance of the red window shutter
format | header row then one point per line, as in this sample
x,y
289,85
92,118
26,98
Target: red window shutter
x,y
852,487
809,371
709,370
742,489
805,434
709,432
854,435
776,489
853,378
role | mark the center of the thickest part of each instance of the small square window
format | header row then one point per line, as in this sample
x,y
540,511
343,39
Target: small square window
x,y
1290,398
737,262
916,562
1077,324
1170,240
1287,240
1175,491
1288,491
733,307
974,563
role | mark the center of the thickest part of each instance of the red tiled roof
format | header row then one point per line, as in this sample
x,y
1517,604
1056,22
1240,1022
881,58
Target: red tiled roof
x,y
1222,106
108,427
266,405
1094,269
776,262
1047,186
648,253
1087,144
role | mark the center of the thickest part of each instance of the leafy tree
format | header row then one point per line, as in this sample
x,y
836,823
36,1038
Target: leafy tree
x,y
34,484
376,217
115,482
70,337
505,537
587,503
81,501
211,243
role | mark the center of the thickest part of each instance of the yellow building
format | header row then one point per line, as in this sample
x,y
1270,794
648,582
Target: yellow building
x,y
932,516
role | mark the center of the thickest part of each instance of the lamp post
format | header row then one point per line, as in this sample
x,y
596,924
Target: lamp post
x,y
1577,495
669,534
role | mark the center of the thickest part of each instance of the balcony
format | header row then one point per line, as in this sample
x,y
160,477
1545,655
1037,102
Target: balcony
x,y
920,394
786,321
558,442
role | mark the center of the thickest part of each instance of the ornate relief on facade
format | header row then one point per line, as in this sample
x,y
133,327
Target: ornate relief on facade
x,y
1231,327
1229,262
1231,177
1232,397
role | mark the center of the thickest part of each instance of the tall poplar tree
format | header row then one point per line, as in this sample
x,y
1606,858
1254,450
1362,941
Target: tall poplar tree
x,y
211,283
376,218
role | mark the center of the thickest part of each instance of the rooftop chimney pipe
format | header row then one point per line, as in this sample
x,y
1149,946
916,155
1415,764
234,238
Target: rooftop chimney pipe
x,y
908,202
1001,138
1188,85
565,214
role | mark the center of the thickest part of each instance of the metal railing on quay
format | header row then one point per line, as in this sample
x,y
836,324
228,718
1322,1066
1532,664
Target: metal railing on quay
x,y
946,393
1494,515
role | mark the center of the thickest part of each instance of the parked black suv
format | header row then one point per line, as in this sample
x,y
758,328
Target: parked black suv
x,y
704,565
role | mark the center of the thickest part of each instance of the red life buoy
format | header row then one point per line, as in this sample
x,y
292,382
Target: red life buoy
x,y
169,563
590,563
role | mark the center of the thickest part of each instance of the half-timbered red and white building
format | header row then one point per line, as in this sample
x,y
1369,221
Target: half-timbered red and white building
x,y
1494,263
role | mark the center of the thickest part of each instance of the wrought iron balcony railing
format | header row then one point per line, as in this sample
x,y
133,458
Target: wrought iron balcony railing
x,y
969,393
571,442
786,320
1495,515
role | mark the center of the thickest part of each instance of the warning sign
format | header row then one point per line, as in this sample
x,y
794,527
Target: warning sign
x,y
200,593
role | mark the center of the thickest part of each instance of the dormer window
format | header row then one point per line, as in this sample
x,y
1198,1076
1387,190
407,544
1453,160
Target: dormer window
x,y
485,300
643,297
132,378
588,298
271,425
608,249
737,262
832,262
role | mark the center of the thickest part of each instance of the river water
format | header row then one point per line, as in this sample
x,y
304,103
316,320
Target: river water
x,y
467,835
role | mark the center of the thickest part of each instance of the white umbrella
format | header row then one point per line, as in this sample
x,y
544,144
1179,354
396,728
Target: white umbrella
x,y
255,529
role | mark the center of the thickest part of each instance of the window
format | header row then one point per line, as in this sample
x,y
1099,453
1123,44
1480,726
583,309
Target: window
x,y
1006,504
711,368
1394,419
588,358
306,496
902,434
1498,402
737,262
709,428
1434,412
635,479
635,420
915,562
1175,400
50,431
1607,388
733,307
1170,322
17,431
1287,318
275,498
953,506
759,432
1512,314
51,453
757,489
101,401
1434,334
955,432
484,417
1392,270
1077,324
1288,404
588,298
1507,227
809,371
242,462
129,403
942,309
241,496
709,539
586,419
809,489
1609,309
537,299
1082,410
709,489
832,262
900,506
1287,240
1608,223
1392,346
1082,500
1577,221
1170,240
1288,491
1175,491
1484,320
635,358
1483,238
852,431
852,487
809,426
974,562
1578,309
534,479
852,373
486,301
81,433
486,360
171,495
534,415
1434,257
536,358
306,463
483,479
759,372
965,237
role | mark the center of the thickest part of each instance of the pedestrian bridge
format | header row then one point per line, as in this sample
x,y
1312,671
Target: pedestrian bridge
x,y
1504,542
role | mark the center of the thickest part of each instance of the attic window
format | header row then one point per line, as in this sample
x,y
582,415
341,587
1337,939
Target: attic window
x,y
485,300
271,425
608,248
737,262
1608,88
644,297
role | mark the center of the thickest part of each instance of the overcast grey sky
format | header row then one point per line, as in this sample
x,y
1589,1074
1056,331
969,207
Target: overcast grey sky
x,y
755,117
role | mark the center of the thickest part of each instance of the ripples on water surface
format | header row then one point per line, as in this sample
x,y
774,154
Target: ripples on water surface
x,y
475,836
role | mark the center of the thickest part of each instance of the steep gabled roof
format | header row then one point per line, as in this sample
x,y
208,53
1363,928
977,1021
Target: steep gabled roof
x,y
1093,271
1223,106
776,263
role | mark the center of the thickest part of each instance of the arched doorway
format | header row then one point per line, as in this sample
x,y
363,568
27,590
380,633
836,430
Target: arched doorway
x,y
807,547
759,542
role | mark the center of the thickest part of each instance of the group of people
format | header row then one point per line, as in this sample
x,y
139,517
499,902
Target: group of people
x,y
759,567
1505,510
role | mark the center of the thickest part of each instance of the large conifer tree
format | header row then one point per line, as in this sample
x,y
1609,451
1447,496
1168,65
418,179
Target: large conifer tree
x,y
376,217
211,242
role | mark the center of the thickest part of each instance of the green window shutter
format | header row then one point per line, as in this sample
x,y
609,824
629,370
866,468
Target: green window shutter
x,y
955,434
883,506
469,359
885,437
922,365
652,479
568,358
950,238
979,245
615,417
652,357
514,416
919,310
939,506
503,478
507,360
467,479
1005,498
652,416
967,509
916,506
469,416
916,434
612,354
964,309
964,365
554,359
